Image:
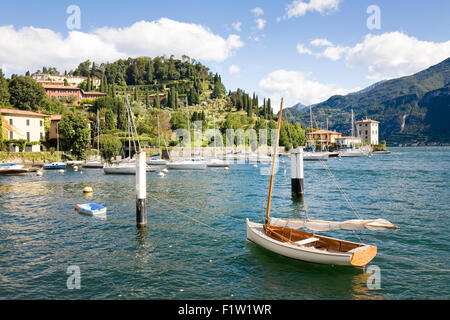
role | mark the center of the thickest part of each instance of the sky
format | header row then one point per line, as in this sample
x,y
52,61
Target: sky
x,y
302,50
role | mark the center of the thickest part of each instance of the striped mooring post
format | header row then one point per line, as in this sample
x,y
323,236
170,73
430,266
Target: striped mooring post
x,y
297,187
141,190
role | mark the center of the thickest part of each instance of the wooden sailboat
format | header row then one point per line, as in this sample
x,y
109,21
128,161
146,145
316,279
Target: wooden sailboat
x,y
283,237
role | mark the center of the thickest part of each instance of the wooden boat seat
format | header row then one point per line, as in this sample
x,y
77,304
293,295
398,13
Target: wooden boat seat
x,y
305,241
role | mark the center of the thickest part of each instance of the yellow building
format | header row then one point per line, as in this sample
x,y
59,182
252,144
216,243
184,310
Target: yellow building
x,y
324,137
26,125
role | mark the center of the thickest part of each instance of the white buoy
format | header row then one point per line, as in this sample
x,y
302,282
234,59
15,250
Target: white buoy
x,y
165,170
75,168
39,173
226,168
255,166
61,170
161,174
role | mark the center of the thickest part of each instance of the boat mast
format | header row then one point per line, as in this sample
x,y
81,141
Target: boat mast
x,y
273,162
98,138
159,137
57,141
352,125
189,130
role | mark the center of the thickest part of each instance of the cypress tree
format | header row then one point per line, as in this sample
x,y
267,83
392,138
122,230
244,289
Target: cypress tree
x,y
156,102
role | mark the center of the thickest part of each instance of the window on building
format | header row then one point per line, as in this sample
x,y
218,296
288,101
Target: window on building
x,y
28,137
28,122
11,135
41,123
41,136
10,122
366,132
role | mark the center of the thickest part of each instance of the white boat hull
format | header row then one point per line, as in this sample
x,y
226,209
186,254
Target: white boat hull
x,y
256,234
315,156
94,165
217,163
187,165
353,154
157,162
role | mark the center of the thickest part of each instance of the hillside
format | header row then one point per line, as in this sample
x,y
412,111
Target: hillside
x,y
406,107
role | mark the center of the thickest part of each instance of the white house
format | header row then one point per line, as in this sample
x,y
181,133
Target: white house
x,y
348,141
26,125
367,130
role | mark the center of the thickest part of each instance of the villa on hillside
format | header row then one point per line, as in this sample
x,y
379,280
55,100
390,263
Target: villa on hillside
x,y
23,125
65,92
72,80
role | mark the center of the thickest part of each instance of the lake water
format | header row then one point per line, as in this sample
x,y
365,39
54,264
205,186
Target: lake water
x,y
195,247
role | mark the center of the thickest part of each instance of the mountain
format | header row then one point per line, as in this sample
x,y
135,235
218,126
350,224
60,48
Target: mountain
x,y
300,106
411,109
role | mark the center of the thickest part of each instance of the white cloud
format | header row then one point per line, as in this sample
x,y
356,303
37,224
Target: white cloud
x,y
257,11
302,50
237,26
298,87
234,69
391,54
299,8
321,43
261,23
31,48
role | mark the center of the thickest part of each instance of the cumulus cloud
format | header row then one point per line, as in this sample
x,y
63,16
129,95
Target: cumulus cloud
x,y
234,69
31,48
237,26
388,55
299,8
260,23
298,87
321,43
257,11
302,50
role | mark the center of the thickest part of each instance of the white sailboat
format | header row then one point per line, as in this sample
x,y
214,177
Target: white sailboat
x,y
127,165
351,152
95,164
58,164
157,160
283,237
189,164
215,162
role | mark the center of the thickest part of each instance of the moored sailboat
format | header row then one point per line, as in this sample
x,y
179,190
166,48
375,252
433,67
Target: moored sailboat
x,y
283,237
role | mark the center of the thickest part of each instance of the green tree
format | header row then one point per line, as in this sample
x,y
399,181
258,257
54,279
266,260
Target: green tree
x,y
110,146
75,130
4,93
25,93
156,102
110,121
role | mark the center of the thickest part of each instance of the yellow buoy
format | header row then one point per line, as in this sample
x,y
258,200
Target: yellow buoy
x,y
88,190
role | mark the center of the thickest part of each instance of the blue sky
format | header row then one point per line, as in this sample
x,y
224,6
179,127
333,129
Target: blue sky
x,y
413,36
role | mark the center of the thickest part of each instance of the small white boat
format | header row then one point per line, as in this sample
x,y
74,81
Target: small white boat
x,y
12,169
90,209
217,163
72,163
353,153
156,162
315,156
187,165
93,165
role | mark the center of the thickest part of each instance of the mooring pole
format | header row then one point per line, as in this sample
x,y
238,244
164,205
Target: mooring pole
x,y
141,190
297,172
